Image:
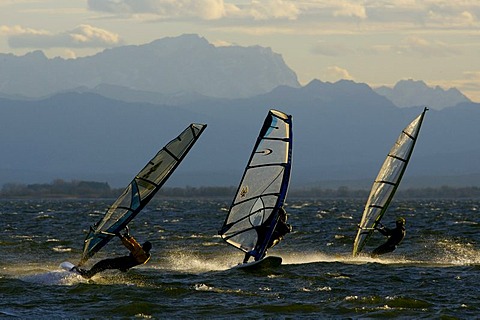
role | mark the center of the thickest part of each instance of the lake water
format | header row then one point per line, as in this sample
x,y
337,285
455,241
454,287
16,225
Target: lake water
x,y
435,272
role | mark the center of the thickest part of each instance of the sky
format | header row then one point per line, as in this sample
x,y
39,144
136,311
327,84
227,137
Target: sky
x,y
378,42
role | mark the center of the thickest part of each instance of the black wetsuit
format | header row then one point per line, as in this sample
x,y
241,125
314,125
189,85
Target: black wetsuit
x,y
395,237
281,229
136,257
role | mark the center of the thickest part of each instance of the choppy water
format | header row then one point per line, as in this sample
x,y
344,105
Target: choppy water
x,y
433,274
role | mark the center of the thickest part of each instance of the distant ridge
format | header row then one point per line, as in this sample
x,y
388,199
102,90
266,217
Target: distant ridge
x,y
342,133
187,64
411,93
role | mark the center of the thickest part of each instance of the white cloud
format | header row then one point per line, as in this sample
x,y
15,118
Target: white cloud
x,y
418,45
19,30
350,9
277,9
334,73
469,84
83,36
451,19
221,43
203,9
415,45
321,16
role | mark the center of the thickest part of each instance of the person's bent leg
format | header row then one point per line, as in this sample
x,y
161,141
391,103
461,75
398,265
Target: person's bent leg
x,y
102,265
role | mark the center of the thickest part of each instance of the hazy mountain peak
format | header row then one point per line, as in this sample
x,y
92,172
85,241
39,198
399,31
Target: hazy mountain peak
x,y
182,42
187,63
408,93
35,55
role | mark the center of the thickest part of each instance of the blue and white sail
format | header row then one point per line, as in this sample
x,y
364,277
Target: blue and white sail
x,y
387,182
141,190
253,213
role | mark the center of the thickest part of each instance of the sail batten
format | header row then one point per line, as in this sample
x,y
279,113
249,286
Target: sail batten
x,y
263,187
140,190
387,182
398,158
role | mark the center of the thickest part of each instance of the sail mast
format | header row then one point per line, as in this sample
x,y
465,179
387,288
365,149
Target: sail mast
x,y
387,182
140,190
263,187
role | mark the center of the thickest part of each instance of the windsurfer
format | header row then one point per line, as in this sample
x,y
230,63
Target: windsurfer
x,y
139,254
395,237
281,229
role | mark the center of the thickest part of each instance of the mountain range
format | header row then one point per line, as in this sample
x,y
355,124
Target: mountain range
x,y
185,64
409,93
106,130
342,133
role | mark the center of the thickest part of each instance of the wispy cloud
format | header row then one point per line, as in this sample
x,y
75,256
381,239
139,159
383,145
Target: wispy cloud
x,y
415,45
468,84
203,9
83,36
334,73
350,9
425,48
331,49
374,13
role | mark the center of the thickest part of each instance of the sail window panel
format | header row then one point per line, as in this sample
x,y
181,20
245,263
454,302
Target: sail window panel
x,y
158,167
259,181
278,129
239,212
180,145
245,240
270,151
413,128
372,214
391,171
381,194
402,147
145,189
254,207
240,226
117,210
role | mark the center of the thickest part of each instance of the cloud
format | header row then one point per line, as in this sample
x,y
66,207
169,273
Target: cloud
x,y
350,9
469,84
277,9
418,45
203,9
336,73
451,19
331,49
415,45
19,30
83,36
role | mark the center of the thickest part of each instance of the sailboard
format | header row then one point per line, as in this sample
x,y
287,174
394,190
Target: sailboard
x,y
387,182
140,190
268,262
70,267
254,212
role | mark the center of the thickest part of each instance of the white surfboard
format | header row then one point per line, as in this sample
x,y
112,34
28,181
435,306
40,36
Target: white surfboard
x,y
268,262
68,266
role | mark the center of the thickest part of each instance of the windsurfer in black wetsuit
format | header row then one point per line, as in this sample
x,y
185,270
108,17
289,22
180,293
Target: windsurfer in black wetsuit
x,y
139,254
281,229
395,237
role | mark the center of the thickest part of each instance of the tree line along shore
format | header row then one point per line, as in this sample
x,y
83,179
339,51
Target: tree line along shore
x,y
91,189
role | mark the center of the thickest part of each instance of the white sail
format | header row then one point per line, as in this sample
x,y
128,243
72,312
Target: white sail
x,y
387,182
253,213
